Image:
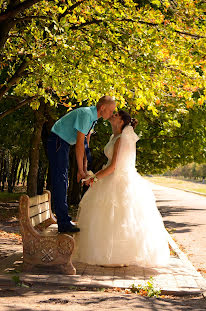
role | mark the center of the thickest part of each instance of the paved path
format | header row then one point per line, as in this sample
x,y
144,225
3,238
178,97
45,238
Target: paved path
x,y
185,214
181,211
179,278
62,298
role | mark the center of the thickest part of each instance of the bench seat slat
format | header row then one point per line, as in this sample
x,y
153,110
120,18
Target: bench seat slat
x,y
37,209
51,230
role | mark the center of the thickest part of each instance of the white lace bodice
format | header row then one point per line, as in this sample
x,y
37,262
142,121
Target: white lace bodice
x,y
109,148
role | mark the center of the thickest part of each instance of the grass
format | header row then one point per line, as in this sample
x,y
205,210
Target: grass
x,y
9,206
178,183
9,197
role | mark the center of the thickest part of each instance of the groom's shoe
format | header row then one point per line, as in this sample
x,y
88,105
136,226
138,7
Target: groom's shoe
x,y
69,229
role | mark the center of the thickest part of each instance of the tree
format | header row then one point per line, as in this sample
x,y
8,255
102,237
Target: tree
x,y
176,136
149,54
16,131
143,51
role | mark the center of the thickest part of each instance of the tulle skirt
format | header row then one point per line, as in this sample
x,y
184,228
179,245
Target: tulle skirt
x,y
120,224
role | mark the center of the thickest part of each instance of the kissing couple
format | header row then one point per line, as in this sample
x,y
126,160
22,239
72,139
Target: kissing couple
x,y
118,221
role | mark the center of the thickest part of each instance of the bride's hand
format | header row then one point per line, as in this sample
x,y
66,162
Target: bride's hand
x,y
87,182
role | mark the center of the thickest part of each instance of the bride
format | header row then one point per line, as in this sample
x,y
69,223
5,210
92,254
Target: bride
x,y
119,221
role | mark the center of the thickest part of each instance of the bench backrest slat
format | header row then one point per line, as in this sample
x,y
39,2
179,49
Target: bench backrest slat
x,y
40,208
38,199
40,218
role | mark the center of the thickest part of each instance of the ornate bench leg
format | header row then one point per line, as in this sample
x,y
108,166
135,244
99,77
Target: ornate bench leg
x,y
68,269
27,266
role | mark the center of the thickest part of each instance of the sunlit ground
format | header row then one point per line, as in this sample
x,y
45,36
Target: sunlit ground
x,y
177,183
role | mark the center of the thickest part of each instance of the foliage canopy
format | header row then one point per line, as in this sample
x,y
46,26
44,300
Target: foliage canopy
x,y
147,53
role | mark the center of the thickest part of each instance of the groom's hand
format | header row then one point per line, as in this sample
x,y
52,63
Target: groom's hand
x,y
80,175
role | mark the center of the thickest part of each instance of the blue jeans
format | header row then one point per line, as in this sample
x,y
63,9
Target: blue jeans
x,y
58,154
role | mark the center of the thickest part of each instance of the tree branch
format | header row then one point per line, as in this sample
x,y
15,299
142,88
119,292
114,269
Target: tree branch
x,y
94,21
97,21
28,18
14,79
189,34
21,37
21,104
156,24
12,12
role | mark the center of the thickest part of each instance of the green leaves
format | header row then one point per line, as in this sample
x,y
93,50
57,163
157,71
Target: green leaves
x,y
92,49
149,55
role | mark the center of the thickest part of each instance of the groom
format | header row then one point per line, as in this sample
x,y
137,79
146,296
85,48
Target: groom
x,y
72,129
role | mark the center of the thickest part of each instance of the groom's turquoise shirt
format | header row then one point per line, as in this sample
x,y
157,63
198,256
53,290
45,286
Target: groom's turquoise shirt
x,y
80,119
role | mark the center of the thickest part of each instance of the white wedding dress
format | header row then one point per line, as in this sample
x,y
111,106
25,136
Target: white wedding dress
x,y
118,218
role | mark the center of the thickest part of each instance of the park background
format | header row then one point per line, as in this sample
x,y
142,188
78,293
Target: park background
x,y
59,55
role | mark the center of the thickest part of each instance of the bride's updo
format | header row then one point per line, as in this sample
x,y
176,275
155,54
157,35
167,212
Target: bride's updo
x,y
127,119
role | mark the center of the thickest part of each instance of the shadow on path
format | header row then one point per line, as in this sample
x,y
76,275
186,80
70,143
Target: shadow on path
x,y
76,300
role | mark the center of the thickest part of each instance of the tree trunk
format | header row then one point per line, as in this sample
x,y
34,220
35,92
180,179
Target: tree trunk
x,y
41,176
43,167
1,169
19,172
44,136
14,174
34,150
11,175
24,175
7,18
5,170
5,27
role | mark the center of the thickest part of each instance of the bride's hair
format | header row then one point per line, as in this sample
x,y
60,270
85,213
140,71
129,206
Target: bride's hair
x,y
127,119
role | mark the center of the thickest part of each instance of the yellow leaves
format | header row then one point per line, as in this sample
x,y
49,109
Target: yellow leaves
x,y
166,22
35,105
2,65
73,19
130,94
173,60
13,236
118,58
201,100
157,2
138,103
43,54
174,123
47,9
81,19
140,85
62,10
99,9
67,104
163,54
189,104
167,4
154,110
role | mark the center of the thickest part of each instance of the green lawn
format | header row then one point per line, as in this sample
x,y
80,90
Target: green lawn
x,y
177,183
9,197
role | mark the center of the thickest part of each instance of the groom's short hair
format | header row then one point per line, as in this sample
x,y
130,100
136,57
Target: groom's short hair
x,y
105,100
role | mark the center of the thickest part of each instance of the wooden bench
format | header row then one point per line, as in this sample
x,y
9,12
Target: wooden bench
x,y
43,246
